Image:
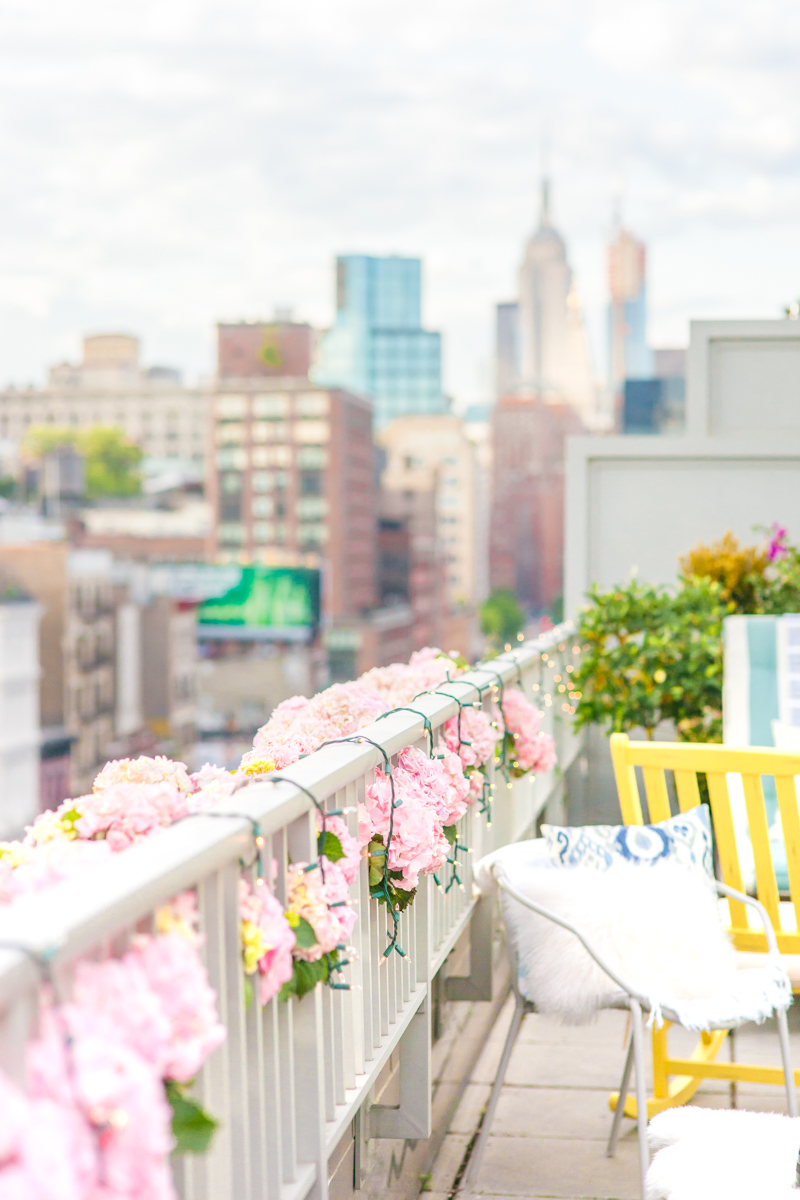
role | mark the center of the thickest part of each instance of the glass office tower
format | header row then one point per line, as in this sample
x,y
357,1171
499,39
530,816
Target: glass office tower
x,y
377,346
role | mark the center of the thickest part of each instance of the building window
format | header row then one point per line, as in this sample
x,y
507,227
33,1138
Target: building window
x,y
311,404
312,534
231,408
230,433
231,534
263,481
314,432
263,506
310,483
311,507
271,406
230,460
270,431
264,531
312,457
272,456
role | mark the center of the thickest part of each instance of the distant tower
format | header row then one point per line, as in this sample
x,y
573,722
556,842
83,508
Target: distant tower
x,y
629,357
554,352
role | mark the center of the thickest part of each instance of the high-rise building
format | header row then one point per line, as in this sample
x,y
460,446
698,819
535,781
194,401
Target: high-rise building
x,y
630,357
507,367
553,348
377,346
526,545
290,483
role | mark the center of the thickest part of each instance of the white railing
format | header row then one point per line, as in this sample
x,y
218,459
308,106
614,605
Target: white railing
x,y
292,1075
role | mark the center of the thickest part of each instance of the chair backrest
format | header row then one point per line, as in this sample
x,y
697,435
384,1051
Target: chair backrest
x,y
686,760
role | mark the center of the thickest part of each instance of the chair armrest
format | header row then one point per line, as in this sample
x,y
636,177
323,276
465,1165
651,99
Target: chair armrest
x,y
732,894
543,912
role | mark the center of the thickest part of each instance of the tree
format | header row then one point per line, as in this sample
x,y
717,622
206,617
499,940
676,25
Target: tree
x,y
111,458
501,616
112,462
650,656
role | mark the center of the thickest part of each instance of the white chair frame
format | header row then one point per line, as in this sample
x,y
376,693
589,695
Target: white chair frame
x,y
637,1005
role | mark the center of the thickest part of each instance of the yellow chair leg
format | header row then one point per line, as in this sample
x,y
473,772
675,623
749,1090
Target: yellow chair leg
x,y
669,1093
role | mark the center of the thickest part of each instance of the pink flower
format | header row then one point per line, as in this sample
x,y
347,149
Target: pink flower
x,y
144,770
777,547
116,1091
418,845
306,898
268,936
128,812
47,864
351,862
399,683
479,737
533,751
298,728
175,972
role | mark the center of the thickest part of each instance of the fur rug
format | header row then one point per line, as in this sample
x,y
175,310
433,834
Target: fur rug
x,y
717,1154
657,927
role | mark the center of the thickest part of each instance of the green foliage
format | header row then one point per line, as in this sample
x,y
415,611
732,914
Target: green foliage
x,y
303,932
451,833
501,616
306,975
397,897
192,1127
112,460
649,655
329,845
8,485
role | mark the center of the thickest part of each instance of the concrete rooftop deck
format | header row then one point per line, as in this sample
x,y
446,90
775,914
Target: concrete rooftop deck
x,y
552,1122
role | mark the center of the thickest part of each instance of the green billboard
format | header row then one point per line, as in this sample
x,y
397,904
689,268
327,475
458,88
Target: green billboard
x,y
277,603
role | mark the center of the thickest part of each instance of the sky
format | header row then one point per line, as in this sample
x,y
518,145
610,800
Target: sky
x,y
171,163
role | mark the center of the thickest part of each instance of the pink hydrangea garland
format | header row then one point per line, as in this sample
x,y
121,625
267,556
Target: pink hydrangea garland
x,y
399,683
96,1122
478,737
527,748
267,940
300,726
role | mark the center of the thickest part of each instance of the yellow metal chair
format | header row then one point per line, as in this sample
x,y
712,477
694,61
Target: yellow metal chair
x,y
675,1080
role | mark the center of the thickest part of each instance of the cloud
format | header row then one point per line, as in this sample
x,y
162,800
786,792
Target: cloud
x,y
176,162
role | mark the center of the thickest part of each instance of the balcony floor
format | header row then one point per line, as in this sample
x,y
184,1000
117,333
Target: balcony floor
x,y
549,1133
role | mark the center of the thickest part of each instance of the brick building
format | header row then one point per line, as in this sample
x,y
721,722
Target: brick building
x,y
291,483
263,349
526,546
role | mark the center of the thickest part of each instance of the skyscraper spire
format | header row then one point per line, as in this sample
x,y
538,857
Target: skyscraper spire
x,y
544,221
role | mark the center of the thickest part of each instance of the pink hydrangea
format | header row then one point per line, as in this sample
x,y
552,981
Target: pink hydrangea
x,y
440,781
299,729
120,1096
212,784
127,812
479,737
337,897
144,770
399,683
352,850
533,751
272,938
175,972
47,1151
47,864
306,897
418,845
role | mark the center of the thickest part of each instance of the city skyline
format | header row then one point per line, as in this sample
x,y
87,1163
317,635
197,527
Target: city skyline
x,y
185,166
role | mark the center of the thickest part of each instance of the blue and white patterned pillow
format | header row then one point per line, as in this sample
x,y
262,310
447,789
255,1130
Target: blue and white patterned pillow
x,y
685,839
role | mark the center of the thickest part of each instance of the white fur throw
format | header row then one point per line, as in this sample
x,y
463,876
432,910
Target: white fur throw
x,y
717,1154
657,927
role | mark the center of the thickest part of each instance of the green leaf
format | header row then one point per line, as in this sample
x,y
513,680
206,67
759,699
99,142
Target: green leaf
x,y
304,934
248,992
451,833
329,845
192,1127
305,977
